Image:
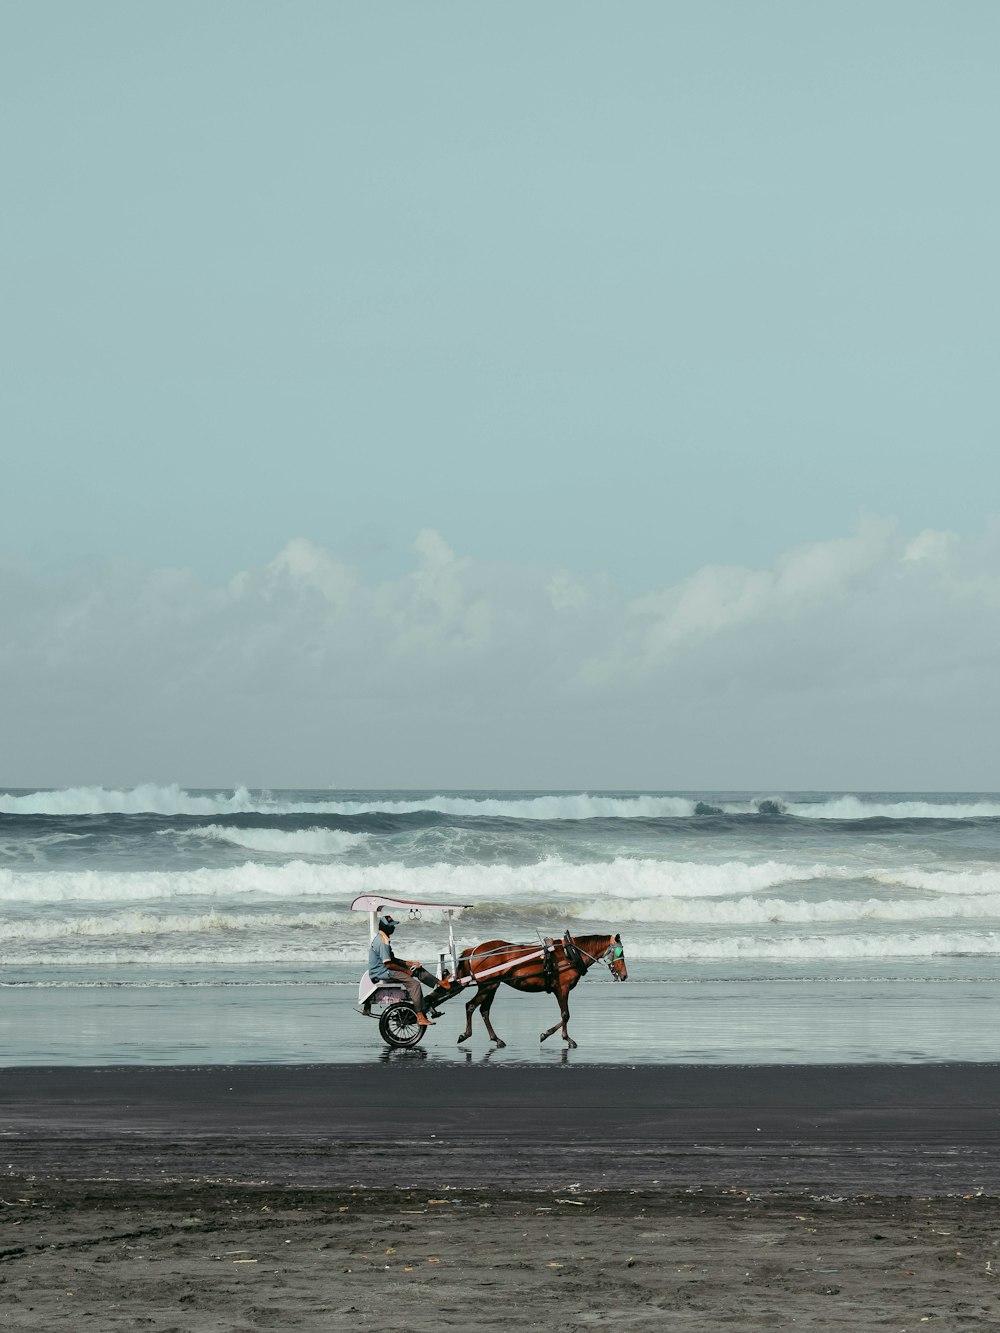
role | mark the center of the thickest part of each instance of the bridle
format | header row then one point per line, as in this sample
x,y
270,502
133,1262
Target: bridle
x,y
611,954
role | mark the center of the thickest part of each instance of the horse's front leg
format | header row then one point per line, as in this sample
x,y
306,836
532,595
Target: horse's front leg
x,y
563,999
485,1011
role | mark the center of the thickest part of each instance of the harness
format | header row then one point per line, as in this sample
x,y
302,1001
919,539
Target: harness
x,y
499,967
550,969
575,955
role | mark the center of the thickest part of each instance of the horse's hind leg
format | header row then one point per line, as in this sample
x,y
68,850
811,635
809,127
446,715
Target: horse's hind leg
x,y
485,1011
564,1019
470,1009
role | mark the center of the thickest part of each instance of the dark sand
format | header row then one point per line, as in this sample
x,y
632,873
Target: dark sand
x,y
412,1196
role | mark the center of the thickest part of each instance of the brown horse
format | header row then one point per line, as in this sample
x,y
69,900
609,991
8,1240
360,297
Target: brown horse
x,y
555,967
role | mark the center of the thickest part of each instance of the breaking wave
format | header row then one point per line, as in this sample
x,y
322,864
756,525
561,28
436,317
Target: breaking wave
x,y
853,807
229,950
643,889
553,878
298,842
818,948
942,881
741,913
145,799
175,800
224,955
761,911
132,925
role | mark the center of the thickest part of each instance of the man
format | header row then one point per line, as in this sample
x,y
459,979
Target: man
x,y
383,965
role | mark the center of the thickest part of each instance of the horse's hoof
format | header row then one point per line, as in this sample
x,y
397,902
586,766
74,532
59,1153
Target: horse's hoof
x,y
499,1043
464,1037
543,1036
571,1044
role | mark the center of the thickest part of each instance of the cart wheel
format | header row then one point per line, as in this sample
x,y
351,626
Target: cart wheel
x,y
398,1025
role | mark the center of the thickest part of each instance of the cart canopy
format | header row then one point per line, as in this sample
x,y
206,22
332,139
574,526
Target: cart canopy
x,y
372,902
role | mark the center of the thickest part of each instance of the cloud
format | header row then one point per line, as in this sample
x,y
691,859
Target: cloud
x,y
865,661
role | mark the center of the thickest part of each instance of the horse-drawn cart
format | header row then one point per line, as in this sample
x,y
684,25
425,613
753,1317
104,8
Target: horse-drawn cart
x,y
388,1000
551,966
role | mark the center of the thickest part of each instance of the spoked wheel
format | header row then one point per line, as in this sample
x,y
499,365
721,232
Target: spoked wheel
x,y
398,1025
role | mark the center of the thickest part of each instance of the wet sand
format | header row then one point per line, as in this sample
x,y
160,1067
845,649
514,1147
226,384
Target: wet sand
x,y
414,1196
793,1020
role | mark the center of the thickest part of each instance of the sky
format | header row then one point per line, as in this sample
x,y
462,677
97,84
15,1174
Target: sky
x,y
532,395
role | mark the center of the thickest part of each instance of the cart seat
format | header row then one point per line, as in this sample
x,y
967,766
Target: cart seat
x,y
368,989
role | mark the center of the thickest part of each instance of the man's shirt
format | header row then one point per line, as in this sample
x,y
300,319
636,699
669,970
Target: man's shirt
x,y
378,955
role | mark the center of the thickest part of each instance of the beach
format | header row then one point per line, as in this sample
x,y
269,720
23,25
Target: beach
x,y
415,1197
246,1258
785,1118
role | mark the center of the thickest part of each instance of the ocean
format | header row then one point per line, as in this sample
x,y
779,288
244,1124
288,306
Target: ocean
x,y
172,926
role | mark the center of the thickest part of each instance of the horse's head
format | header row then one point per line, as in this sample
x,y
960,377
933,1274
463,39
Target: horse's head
x,y
616,963
616,959
597,949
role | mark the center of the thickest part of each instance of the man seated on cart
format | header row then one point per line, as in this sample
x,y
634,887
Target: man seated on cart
x,y
383,965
